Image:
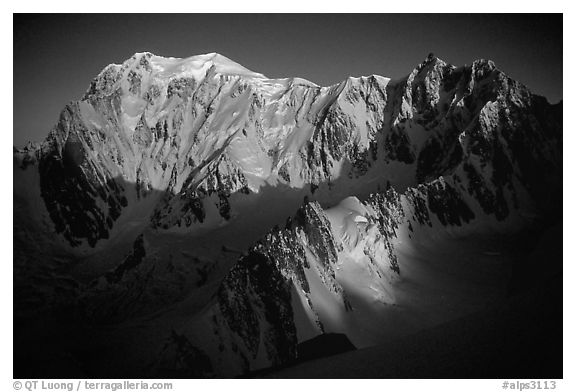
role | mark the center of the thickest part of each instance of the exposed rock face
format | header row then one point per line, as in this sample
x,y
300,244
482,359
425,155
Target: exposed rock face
x,y
311,246
194,128
162,148
254,299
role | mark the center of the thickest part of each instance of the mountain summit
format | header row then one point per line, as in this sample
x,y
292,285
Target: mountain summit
x,y
245,215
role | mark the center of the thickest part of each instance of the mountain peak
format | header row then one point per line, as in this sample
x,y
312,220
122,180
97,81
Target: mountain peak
x,y
166,185
431,59
200,64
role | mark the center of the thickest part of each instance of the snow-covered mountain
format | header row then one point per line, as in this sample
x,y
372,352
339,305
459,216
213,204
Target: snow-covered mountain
x,y
231,216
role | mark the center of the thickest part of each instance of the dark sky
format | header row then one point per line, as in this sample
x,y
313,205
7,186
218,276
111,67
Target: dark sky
x,y
56,56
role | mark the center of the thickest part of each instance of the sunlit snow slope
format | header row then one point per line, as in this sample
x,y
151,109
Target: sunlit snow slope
x,y
204,219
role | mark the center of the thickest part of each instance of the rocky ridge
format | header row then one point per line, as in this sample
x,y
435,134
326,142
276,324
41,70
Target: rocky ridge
x,y
186,144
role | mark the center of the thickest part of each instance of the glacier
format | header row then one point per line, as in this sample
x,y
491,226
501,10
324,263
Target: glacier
x,y
205,220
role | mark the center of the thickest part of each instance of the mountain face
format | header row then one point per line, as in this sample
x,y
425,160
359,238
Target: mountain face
x,y
231,216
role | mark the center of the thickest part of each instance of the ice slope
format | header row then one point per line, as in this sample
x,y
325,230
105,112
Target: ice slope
x,y
167,194
499,338
188,127
192,132
196,66
374,270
